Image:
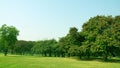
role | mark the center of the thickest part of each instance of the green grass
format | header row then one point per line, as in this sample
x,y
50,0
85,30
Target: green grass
x,y
14,61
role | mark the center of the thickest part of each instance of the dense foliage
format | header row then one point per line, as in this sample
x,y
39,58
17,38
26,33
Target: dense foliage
x,y
8,37
99,37
102,36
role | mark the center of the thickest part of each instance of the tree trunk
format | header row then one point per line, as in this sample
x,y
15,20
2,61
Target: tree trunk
x,y
5,52
80,56
68,55
55,54
50,54
105,57
45,54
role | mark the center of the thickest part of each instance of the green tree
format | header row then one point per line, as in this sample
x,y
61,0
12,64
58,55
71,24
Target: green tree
x,y
8,37
63,46
69,45
44,47
101,34
23,47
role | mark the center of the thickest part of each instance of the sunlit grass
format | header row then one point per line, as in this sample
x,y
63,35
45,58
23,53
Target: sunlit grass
x,y
16,61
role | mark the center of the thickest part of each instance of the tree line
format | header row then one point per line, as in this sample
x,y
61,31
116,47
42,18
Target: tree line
x,y
99,37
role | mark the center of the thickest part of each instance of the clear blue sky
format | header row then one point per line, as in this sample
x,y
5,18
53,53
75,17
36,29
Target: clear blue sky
x,y
46,19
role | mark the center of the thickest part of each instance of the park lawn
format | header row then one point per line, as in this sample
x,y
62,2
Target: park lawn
x,y
16,61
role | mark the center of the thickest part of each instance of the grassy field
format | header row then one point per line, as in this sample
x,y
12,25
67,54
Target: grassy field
x,y
14,61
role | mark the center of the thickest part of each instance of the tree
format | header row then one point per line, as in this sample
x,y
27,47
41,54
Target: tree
x,y
8,37
63,46
69,45
23,47
39,48
102,33
44,47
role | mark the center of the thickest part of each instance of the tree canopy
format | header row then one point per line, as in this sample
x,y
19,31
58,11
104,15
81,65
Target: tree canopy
x,y
8,37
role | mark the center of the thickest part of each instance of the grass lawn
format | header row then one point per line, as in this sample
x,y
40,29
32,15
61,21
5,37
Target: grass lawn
x,y
14,61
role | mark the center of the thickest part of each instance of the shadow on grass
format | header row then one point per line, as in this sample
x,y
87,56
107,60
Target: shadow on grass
x,y
110,60
13,55
113,60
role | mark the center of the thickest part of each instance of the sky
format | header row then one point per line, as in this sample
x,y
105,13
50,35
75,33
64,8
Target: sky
x,y
48,19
